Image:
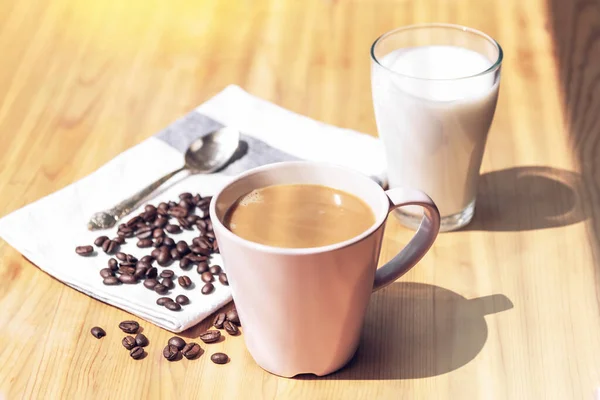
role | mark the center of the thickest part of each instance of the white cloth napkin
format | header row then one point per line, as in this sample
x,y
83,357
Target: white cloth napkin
x,y
48,230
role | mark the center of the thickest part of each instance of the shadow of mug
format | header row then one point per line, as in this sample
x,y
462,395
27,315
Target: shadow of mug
x,y
528,198
415,330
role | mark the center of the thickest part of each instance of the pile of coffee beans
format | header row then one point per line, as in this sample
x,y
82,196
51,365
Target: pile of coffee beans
x,y
176,347
152,229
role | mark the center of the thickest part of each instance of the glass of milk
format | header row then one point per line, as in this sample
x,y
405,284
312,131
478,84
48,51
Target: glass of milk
x,y
435,88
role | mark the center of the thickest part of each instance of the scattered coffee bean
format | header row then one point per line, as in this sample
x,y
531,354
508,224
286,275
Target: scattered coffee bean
x,y
184,281
192,219
158,232
177,342
219,358
167,273
134,221
169,242
171,352
182,247
150,283
84,250
201,224
163,300
141,340
191,350
151,272
109,246
149,208
200,250
175,254
160,222
172,228
137,353
128,342
164,258
98,332
127,279
215,269
100,240
111,281
208,288
178,211
106,272
155,253
185,195
182,299
168,283
131,258
113,264
129,326
215,246
232,316
144,233
119,240
121,256
185,263
126,270
210,336
197,259
184,223
218,321
173,306
161,289
211,235
196,198
202,267
125,232
206,277
144,243
147,260
223,279
231,328
140,273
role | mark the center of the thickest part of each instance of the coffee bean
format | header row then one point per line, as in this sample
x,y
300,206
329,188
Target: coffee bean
x,y
187,204
134,221
183,222
175,254
158,232
125,270
151,272
144,243
203,243
205,202
143,264
167,273
150,283
84,250
169,242
141,340
137,353
149,208
197,259
171,352
182,299
171,228
111,281
185,196
139,225
140,273
185,263
184,281
215,269
127,264
163,300
144,233
219,358
113,265
147,260
121,256
202,267
210,336
232,316
207,277
191,350
161,289
199,250
149,216
131,258
100,240
231,328
128,342
129,326
182,247
196,198
173,306
125,232
128,279
164,258
192,219
177,342
160,222
168,283
98,332
208,288
110,246
178,211
218,321
215,246
155,253
210,235
106,272
119,240
223,279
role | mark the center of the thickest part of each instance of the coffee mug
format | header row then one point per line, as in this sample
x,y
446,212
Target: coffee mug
x,y
302,309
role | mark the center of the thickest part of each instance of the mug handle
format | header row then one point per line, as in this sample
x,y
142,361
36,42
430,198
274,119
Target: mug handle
x,y
419,244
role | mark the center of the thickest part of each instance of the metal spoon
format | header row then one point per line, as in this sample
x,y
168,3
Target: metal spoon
x,y
205,155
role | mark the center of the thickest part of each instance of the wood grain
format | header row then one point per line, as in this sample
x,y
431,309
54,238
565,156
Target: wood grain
x,y
505,309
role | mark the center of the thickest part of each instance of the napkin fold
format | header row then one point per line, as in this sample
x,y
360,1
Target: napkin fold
x,y
48,230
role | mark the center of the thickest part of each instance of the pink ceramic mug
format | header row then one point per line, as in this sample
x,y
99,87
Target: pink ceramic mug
x,y
302,309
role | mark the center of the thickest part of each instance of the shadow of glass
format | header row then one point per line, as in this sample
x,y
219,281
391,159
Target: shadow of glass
x,y
527,198
414,330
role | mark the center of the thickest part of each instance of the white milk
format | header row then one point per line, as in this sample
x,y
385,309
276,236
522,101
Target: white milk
x,y
434,130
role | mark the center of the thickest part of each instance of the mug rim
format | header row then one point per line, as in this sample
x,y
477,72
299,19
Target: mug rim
x,y
379,219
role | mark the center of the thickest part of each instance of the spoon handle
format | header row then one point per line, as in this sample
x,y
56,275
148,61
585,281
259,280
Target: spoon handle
x,y
108,218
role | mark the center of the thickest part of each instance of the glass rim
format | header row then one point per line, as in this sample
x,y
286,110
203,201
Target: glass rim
x,y
463,28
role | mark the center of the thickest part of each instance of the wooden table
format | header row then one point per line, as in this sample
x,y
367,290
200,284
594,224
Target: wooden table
x,y
82,81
